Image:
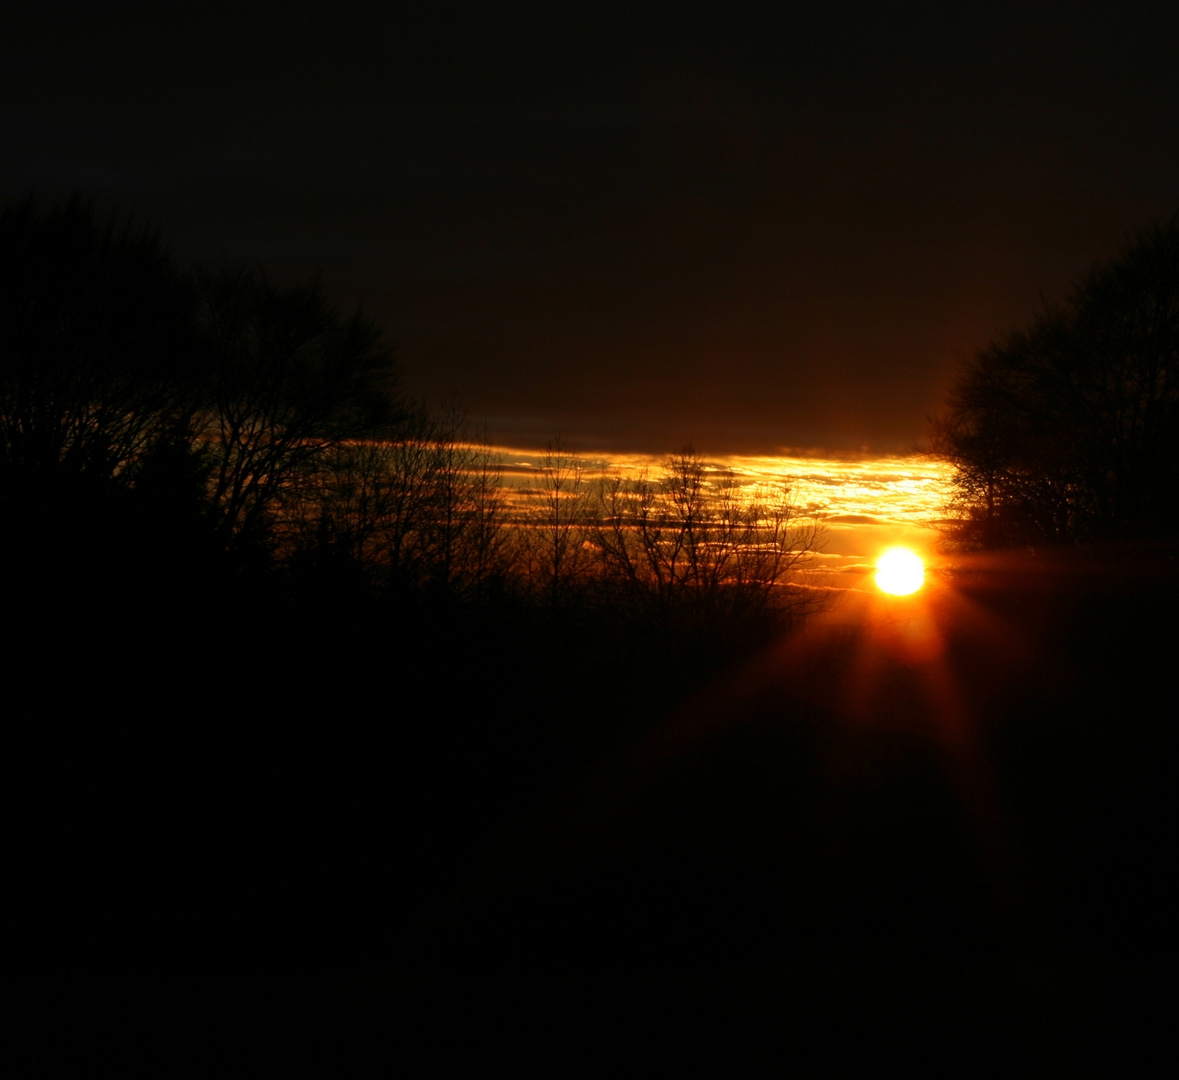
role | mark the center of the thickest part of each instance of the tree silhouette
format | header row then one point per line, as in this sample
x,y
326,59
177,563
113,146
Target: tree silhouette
x,y
556,526
290,380
420,508
1067,431
151,419
102,479
98,361
692,545
446,530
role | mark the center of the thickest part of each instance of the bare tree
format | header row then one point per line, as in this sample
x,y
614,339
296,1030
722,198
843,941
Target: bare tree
x,y
422,508
688,545
290,381
462,534
555,528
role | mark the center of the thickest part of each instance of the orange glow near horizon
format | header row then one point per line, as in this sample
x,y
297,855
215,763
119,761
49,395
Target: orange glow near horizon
x,y
899,571
864,503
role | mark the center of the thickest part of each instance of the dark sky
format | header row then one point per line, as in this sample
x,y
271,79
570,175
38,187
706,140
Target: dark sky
x,y
633,225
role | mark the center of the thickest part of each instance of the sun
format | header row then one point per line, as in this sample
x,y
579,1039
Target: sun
x,y
899,571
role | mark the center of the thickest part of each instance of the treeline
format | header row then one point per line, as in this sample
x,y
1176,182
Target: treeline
x,y
288,655
287,648
211,430
427,512
166,413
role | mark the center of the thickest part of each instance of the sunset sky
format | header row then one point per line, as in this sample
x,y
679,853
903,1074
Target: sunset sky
x,y
864,504
633,225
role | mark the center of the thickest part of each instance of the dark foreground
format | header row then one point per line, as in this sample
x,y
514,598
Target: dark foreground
x,y
963,801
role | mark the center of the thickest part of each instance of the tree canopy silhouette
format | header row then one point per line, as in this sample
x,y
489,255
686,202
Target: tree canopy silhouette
x,y
166,435
149,411
97,345
100,383
1068,431
289,380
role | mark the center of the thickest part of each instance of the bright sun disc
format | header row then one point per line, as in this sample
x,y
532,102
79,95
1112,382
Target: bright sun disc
x,y
899,571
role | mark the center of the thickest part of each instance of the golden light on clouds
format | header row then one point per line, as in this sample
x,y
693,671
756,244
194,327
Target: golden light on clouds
x,y
864,503
899,571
